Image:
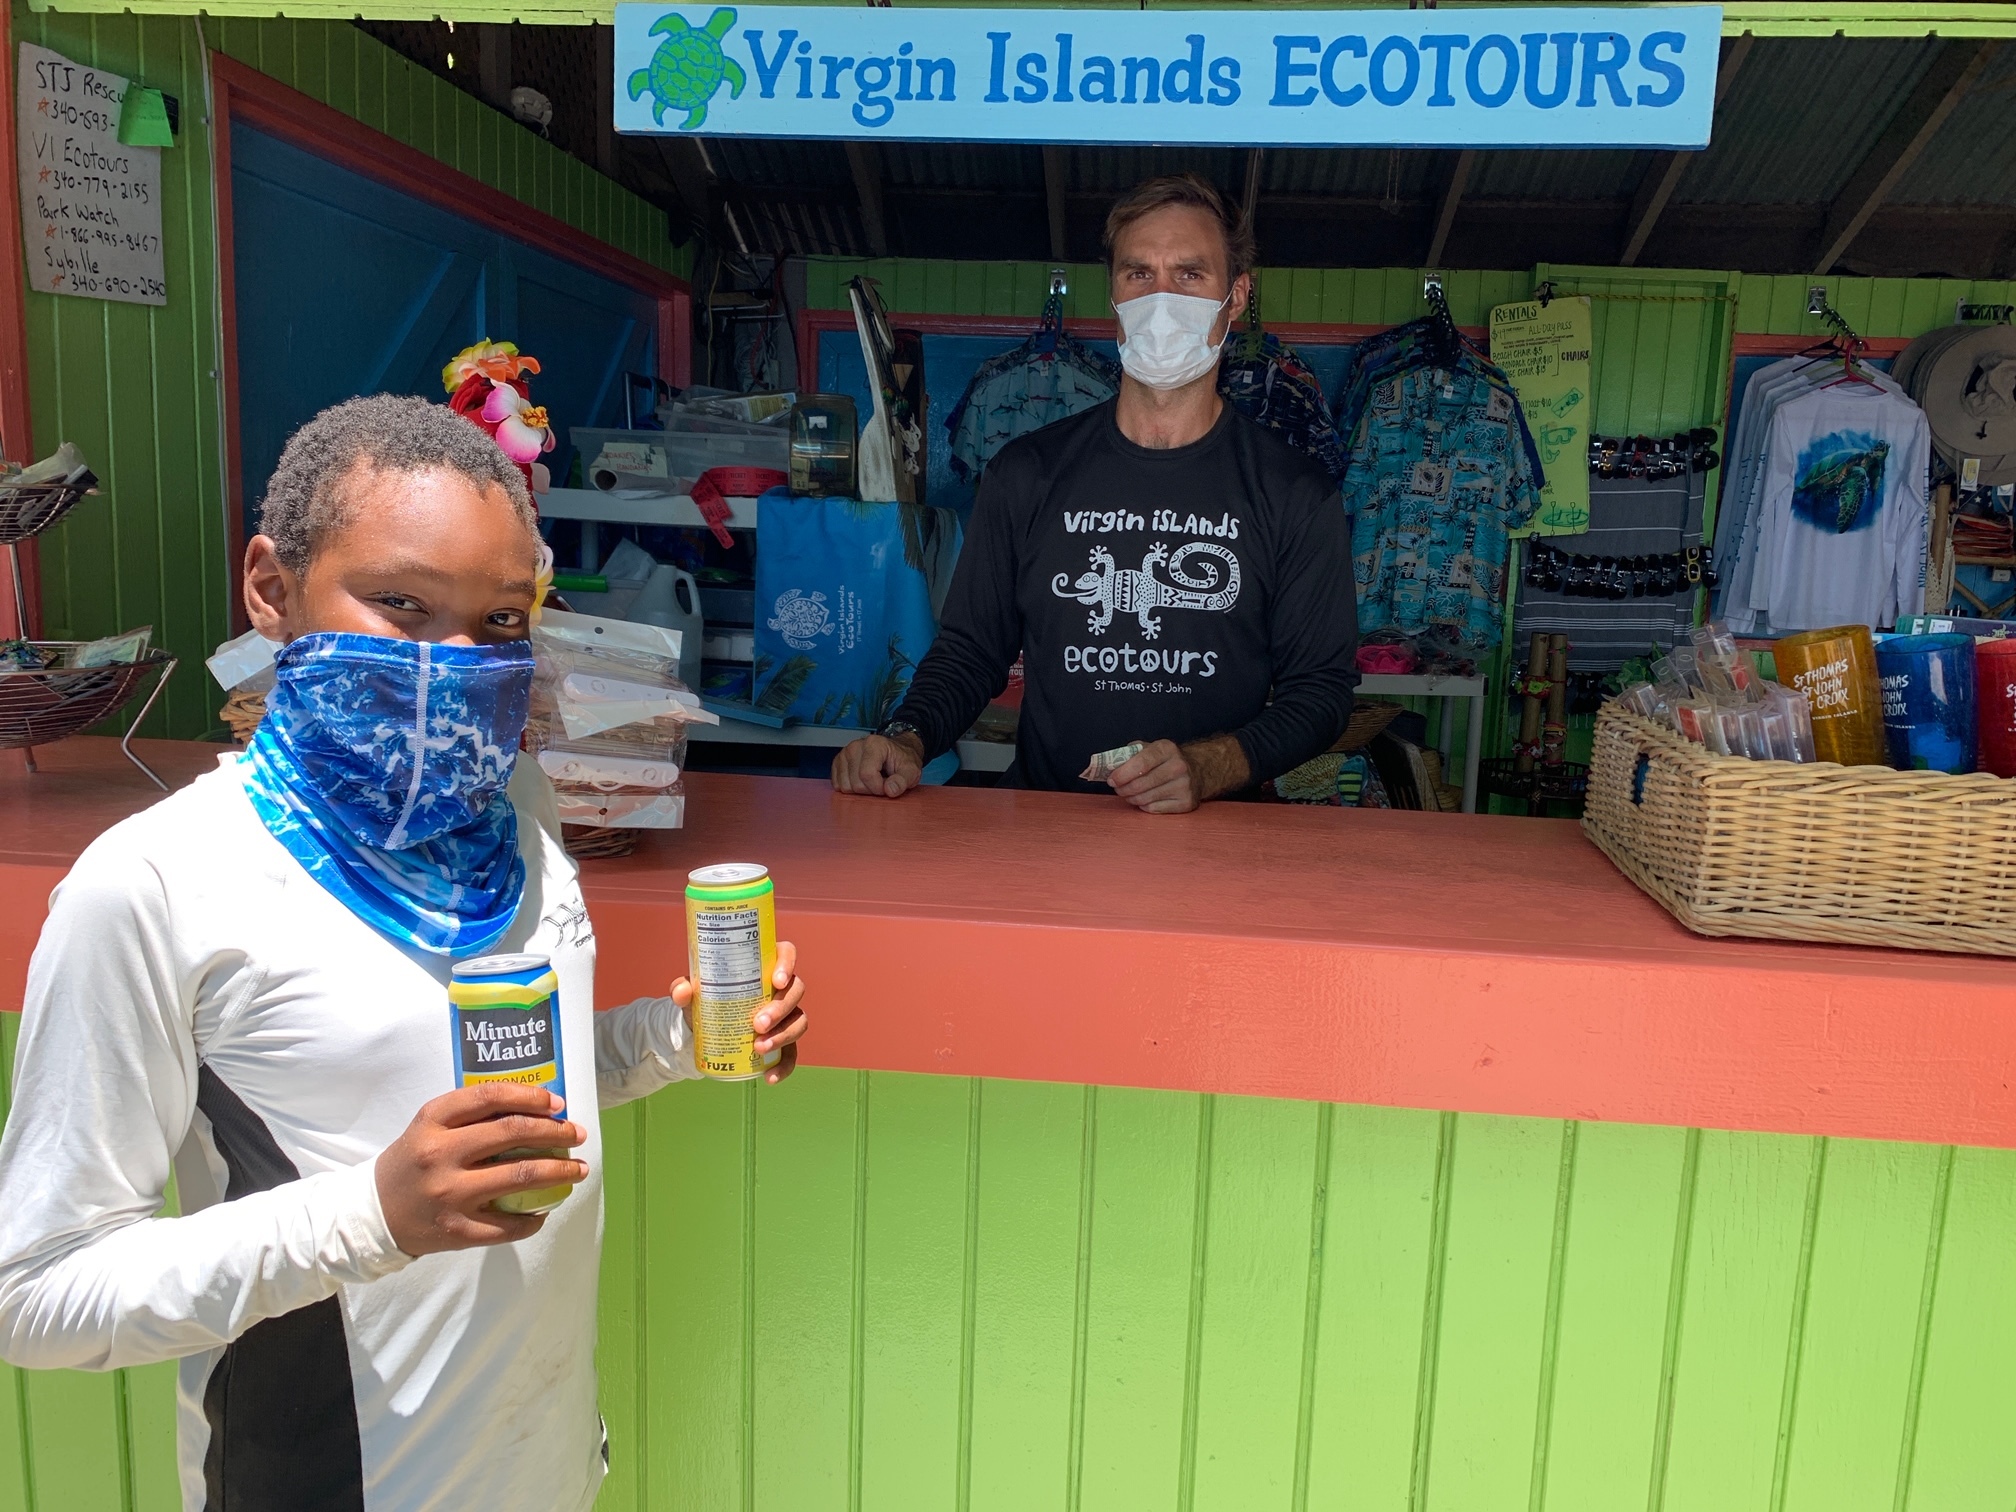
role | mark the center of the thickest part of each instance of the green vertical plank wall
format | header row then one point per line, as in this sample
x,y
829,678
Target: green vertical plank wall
x,y
138,387
869,1291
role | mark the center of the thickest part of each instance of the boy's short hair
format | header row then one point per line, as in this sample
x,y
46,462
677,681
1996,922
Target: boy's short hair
x,y
307,499
1191,189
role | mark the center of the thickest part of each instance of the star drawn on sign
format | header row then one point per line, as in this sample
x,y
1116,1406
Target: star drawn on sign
x,y
44,178
56,280
43,106
49,230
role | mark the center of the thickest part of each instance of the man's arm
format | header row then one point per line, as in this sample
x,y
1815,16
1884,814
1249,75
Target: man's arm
x,y
1313,640
1313,636
648,1044
979,637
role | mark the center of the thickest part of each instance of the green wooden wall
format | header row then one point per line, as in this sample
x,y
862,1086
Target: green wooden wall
x,y
862,1292
138,388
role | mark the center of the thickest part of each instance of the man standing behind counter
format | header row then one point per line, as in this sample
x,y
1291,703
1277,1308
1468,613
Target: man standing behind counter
x,y
1160,562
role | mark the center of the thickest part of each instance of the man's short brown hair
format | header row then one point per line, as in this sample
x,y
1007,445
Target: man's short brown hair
x,y
1182,189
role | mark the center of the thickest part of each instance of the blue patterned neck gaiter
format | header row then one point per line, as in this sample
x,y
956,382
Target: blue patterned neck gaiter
x,y
381,767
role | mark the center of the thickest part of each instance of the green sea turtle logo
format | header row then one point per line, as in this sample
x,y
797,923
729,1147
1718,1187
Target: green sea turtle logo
x,y
687,70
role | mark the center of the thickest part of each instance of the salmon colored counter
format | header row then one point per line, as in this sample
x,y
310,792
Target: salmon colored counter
x,y
1471,964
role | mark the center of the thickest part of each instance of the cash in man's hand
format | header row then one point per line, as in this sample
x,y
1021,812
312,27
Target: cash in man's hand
x,y
1106,763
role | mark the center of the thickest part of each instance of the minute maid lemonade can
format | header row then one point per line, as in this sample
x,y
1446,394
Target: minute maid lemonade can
x,y
504,1012
731,944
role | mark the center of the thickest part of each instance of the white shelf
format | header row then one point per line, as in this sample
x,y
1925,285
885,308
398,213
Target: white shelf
x,y
1395,685
974,755
643,509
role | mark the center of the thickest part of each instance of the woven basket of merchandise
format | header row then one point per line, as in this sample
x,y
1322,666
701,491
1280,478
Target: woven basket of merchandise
x,y
1855,855
44,699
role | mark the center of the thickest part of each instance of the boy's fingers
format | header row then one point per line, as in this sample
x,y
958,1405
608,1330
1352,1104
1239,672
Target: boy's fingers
x,y
784,1067
787,1033
780,1008
682,993
468,1105
484,1141
488,1183
787,965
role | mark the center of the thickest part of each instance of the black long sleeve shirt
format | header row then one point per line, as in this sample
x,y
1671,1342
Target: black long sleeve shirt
x,y
1153,595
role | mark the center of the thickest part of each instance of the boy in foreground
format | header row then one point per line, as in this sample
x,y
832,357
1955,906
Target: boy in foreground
x,y
247,984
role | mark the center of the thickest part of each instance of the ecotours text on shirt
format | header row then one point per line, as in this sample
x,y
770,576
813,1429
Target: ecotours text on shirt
x,y
1153,595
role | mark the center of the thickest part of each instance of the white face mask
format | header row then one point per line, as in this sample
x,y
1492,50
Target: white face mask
x,y
1165,339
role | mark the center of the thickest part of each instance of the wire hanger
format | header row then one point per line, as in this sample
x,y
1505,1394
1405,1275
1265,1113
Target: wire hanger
x,y
1443,340
1841,343
1052,324
1252,340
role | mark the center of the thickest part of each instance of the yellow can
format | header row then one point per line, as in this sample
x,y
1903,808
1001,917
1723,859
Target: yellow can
x,y
731,948
504,1014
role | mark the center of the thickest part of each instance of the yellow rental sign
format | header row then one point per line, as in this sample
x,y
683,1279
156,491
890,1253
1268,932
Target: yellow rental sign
x,y
1544,350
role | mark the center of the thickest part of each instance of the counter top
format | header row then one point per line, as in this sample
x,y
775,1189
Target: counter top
x,y
1427,960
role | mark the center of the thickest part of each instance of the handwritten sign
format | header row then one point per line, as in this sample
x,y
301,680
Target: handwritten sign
x,y
90,205
1544,350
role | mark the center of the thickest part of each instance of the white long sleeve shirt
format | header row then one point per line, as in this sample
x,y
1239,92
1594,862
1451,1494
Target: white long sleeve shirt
x,y
197,1002
1842,519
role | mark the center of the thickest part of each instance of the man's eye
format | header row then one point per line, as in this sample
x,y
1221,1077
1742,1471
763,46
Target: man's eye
x,y
397,601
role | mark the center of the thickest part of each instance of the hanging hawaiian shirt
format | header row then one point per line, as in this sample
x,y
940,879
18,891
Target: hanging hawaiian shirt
x,y
1022,391
1272,385
1438,477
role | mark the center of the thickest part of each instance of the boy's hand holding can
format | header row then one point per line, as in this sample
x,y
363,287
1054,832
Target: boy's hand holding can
x,y
779,1023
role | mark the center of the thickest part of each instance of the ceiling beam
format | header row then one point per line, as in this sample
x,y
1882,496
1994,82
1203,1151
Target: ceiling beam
x,y
867,167
1055,179
1459,175
605,91
493,63
1667,169
1953,72
1249,197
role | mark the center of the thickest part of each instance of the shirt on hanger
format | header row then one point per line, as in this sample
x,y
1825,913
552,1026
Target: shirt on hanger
x,y
1842,518
1022,391
1438,478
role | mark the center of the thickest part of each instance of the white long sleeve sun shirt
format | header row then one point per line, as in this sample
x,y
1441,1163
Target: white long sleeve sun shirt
x,y
198,1003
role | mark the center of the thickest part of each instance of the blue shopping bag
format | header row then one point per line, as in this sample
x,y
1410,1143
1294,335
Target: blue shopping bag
x,y
845,604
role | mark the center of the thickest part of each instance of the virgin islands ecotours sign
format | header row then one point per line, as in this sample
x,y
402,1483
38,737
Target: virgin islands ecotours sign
x,y
1512,77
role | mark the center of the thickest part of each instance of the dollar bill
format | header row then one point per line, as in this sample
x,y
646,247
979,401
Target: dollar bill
x,y
1106,763
113,649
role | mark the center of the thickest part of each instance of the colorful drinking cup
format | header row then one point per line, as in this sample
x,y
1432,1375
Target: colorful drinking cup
x,y
1836,670
1928,701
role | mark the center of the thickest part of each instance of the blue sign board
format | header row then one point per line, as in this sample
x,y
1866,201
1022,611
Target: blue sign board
x,y
1507,77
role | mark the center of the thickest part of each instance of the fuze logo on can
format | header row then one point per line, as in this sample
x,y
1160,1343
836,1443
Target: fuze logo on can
x,y
731,940
504,1012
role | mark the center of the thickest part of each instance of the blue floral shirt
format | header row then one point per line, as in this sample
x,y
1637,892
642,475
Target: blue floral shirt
x,y
1438,478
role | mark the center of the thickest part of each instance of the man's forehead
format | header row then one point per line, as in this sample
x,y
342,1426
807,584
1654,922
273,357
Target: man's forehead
x,y
1186,235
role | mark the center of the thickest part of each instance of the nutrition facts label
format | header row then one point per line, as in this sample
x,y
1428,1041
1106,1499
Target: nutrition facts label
x,y
731,958
90,205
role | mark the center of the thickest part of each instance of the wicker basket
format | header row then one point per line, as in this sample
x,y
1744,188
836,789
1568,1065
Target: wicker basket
x,y
1780,850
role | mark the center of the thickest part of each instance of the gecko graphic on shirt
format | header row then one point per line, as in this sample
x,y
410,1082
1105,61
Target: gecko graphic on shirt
x,y
1239,618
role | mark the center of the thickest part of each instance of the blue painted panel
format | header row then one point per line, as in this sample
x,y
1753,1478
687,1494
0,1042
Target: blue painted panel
x,y
346,287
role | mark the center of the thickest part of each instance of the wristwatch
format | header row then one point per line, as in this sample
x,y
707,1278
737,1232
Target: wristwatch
x,y
891,728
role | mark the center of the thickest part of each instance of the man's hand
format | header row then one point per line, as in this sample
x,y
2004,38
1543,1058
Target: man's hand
x,y
879,767
779,1022
1170,779
436,1181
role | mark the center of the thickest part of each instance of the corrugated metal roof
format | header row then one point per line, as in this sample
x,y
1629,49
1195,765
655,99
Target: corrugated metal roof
x,y
1800,116
761,162
962,165
1568,174
1352,172
1972,161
